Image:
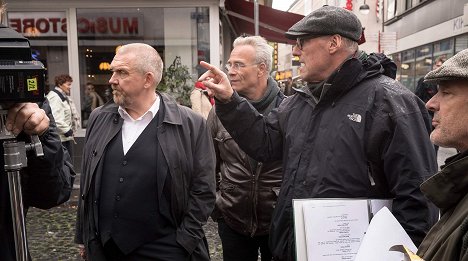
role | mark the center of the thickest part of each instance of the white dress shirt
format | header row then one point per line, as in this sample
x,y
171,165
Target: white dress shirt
x,y
132,128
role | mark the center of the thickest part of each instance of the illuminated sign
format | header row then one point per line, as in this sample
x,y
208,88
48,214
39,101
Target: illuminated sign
x,y
54,24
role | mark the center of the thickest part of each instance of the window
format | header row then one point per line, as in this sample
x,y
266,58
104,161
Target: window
x,y
461,43
47,34
408,69
423,61
408,4
391,9
443,48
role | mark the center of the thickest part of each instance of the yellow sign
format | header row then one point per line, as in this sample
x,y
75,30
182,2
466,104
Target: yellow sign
x,y
32,84
282,75
104,66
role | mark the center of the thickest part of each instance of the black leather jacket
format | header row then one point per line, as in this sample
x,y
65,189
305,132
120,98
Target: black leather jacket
x,y
246,194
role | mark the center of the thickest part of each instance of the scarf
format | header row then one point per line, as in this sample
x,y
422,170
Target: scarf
x,y
200,85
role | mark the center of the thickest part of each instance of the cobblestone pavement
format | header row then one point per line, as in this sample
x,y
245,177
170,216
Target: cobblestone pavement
x,y
51,233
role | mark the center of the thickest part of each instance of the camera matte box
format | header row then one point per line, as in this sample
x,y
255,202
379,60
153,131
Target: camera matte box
x,y
22,81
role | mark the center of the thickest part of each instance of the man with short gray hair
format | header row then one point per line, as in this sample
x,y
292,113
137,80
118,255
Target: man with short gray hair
x,y
247,189
148,181
353,132
448,189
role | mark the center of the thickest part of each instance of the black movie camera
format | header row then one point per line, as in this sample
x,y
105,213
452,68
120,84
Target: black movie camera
x,y
21,78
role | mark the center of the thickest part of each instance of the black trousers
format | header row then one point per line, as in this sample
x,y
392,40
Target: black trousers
x,y
69,146
239,247
163,249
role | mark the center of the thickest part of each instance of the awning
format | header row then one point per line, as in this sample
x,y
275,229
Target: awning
x,y
272,23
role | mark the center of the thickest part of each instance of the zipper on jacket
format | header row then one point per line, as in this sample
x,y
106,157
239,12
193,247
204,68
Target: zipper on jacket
x,y
369,174
254,220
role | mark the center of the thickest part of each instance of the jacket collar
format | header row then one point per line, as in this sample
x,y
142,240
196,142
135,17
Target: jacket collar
x,y
450,185
341,81
171,111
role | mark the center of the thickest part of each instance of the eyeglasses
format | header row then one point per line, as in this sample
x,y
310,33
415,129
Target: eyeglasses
x,y
300,43
237,66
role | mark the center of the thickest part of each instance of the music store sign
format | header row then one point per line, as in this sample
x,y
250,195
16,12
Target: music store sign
x,y
54,24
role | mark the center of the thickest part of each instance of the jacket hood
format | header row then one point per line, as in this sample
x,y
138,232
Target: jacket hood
x,y
378,63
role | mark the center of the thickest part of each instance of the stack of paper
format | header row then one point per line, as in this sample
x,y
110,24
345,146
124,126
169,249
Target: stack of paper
x,y
339,229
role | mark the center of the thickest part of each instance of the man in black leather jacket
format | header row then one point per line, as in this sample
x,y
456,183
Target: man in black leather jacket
x,y
353,132
46,181
247,190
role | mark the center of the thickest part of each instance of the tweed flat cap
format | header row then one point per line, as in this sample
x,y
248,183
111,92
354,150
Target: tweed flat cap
x,y
455,68
327,20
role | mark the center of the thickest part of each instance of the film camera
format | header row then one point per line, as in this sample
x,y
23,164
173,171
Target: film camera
x,y
21,78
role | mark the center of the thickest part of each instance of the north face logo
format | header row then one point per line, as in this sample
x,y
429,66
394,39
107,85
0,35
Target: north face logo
x,y
355,117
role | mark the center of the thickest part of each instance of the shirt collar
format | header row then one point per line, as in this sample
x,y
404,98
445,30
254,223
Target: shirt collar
x,y
61,91
152,111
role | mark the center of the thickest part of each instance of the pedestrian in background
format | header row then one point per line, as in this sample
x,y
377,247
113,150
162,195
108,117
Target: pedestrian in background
x,y
62,110
448,189
200,100
92,100
148,181
247,189
352,132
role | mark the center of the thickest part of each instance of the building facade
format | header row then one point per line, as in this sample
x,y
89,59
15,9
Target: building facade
x,y
426,30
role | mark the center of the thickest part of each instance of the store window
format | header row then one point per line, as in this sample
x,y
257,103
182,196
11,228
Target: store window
x,y
461,43
47,34
180,35
423,61
408,69
443,49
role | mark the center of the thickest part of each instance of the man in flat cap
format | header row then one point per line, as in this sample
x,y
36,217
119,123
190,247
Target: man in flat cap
x,y
448,189
352,132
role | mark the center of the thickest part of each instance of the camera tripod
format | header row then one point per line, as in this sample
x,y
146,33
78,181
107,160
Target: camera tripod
x,y
15,159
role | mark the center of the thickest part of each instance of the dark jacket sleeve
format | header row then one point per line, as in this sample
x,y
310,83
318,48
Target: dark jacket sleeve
x,y
408,160
47,180
201,194
259,136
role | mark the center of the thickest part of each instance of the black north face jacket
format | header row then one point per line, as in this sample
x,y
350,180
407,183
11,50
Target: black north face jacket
x,y
367,137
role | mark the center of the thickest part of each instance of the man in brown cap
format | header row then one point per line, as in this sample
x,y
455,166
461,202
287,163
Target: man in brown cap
x,y
448,189
352,132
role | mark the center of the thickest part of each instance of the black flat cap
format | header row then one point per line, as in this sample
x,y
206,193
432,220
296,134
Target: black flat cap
x,y
327,20
455,68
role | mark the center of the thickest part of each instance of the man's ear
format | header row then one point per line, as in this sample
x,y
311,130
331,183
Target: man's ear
x,y
262,69
335,43
149,80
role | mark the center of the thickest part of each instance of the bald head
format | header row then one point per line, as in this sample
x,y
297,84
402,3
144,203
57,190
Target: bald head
x,y
146,58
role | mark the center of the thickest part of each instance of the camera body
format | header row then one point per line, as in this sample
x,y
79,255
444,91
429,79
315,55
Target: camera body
x,y
21,78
